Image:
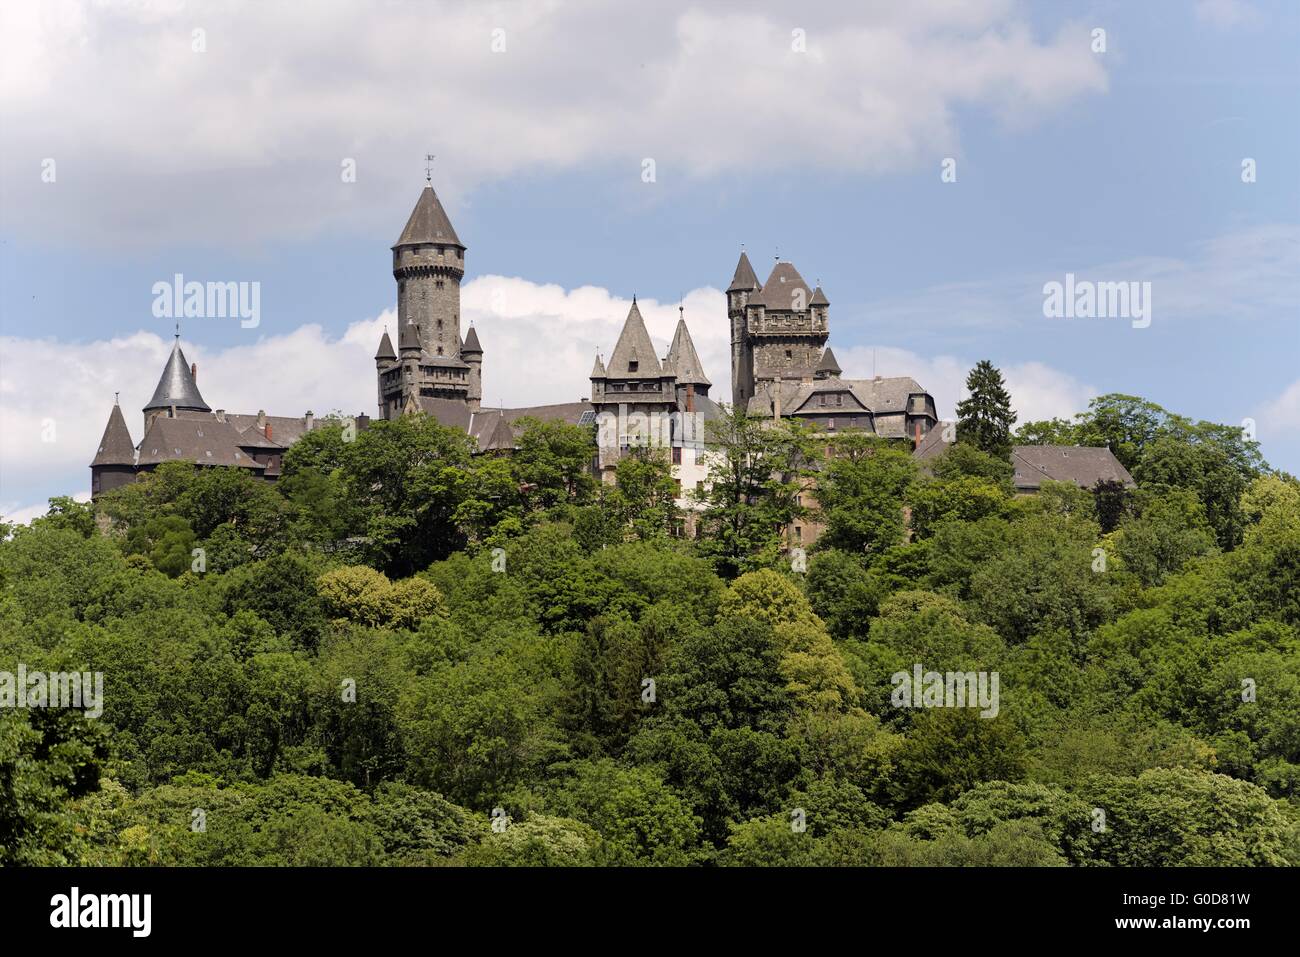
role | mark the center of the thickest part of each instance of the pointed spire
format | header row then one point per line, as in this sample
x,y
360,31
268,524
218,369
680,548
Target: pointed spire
x,y
784,290
408,339
471,346
828,366
744,280
177,386
385,348
819,298
634,354
598,370
685,360
428,223
116,447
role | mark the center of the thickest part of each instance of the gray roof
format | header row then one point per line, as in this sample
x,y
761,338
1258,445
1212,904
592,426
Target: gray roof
x,y
685,361
202,440
744,279
428,223
116,447
569,412
470,344
779,292
819,298
880,396
931,446
828,363
634,345
177,386
452,413
598,370
886,394
1085,466
285,429
385,348
408,336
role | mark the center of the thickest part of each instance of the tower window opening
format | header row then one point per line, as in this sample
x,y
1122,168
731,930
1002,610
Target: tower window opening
x,y
632,365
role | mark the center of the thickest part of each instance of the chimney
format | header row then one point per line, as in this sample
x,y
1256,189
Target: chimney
x,y
194,371
268,431
261,418
311,418
221,415
363,421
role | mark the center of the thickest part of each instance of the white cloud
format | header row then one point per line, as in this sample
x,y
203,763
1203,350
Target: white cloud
x,y
1280,416
245,140
1037,390
539,343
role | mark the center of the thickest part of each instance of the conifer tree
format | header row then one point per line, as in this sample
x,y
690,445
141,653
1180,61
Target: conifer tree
x,y
985,417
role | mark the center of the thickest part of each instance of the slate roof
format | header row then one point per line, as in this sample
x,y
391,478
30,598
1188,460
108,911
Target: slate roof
x,y
470,345
819,298
778,293
744,279
598,370
408,337
202,440
828,363
634,345
685,361
882,396
1085,466
385,348
428,223
177,386
116,447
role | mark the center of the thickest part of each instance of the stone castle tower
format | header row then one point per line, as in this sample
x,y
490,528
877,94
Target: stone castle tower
x,y
431,360
778,330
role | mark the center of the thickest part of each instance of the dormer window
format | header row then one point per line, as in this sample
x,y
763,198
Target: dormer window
x,y
632,365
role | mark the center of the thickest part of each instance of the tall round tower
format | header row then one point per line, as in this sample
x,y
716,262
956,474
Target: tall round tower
x,y
428,264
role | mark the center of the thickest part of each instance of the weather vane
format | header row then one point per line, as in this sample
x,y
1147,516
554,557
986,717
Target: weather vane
x,y
428,167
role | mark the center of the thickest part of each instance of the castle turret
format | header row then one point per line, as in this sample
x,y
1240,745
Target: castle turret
x,y
472,353
428,264
744,284
114,464
686,366
177,388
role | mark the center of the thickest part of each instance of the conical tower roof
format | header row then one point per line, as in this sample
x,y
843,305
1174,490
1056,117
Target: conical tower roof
x,y
684,359
409,337
634,354
428,223
470,345
116,447
828,364
598,370
744,279
819,298
385,348
177,386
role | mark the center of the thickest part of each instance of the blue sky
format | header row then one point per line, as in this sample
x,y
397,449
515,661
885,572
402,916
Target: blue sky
x,y
1117,166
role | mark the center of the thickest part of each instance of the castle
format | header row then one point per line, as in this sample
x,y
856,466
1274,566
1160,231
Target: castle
x,y
782,367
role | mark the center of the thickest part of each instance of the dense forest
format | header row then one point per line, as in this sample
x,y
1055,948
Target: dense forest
x,y
405,654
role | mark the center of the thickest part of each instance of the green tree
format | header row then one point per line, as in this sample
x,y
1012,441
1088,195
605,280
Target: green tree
x,y
985,417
